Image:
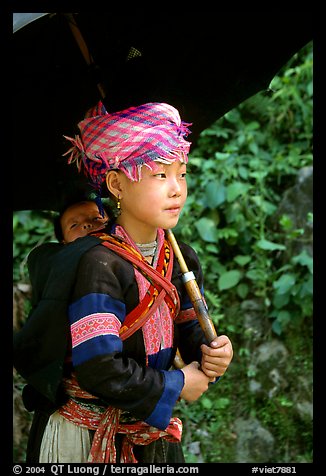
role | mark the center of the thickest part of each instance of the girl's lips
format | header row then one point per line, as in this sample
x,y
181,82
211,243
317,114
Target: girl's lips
x,y
173,209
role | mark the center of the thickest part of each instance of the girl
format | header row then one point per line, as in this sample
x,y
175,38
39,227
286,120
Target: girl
x,y
128,308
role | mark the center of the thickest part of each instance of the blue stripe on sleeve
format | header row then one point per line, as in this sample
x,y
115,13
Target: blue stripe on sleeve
x,y
100,345
162,413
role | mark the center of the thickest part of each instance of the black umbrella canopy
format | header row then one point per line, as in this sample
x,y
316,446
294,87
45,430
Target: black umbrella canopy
x,y
204,65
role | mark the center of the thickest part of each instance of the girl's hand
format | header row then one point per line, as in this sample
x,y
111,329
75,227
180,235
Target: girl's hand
x,y
217,357
196,382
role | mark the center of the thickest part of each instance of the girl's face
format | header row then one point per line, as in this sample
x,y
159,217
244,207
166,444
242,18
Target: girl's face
x,y
81,219
154,202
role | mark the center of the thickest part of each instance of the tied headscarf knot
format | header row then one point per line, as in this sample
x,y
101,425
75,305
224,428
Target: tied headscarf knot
x,y
78,153
75,152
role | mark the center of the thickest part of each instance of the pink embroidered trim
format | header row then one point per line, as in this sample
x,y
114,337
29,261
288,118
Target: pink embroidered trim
x,y
158,330
94,325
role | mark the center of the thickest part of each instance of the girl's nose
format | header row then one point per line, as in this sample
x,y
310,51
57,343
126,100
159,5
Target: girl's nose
x,y
175,189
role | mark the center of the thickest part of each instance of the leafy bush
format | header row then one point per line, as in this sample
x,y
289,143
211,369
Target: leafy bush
x,y
242,166
240,169
31,228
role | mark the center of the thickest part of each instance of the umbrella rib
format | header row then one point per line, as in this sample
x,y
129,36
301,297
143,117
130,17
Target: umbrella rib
x,y
82,46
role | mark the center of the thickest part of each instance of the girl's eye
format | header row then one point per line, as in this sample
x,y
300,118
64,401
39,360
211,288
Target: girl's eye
x,y
73,225
184,175
161,175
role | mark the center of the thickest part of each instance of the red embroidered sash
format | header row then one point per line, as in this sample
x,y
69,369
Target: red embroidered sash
x,y
107,423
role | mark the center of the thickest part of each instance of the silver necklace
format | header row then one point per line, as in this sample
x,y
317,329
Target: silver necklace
x,y
147,249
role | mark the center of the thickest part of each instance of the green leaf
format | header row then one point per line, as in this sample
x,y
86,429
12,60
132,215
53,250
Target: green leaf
x,y
214,300
276,327
256,275
243,172
306,288
304,259
242,290
252,126
281,300
284,317
229,279
207,230
206,403
253,147
215,193
221,156
242,260
269,245
234,190
286,222
222,403
15,221
285,283
225,233
212,248
196,161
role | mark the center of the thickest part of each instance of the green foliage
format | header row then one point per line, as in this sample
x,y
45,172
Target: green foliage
x,y
237,174
31,228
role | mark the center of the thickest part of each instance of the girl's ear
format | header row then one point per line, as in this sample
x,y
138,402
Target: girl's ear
x,y
113,182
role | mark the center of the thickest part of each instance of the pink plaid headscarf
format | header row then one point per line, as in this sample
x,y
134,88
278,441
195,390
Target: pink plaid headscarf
x,y
128,139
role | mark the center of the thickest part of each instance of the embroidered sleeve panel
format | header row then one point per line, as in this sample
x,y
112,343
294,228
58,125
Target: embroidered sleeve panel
x,y
95,321
94,325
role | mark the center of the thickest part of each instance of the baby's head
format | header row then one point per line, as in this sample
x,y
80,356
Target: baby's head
x,y
78,220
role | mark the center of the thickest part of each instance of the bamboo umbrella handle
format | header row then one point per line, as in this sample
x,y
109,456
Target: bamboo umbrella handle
x,y
193,291
178,361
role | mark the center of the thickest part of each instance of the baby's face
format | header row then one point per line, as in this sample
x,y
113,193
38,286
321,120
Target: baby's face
x,y
81,219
